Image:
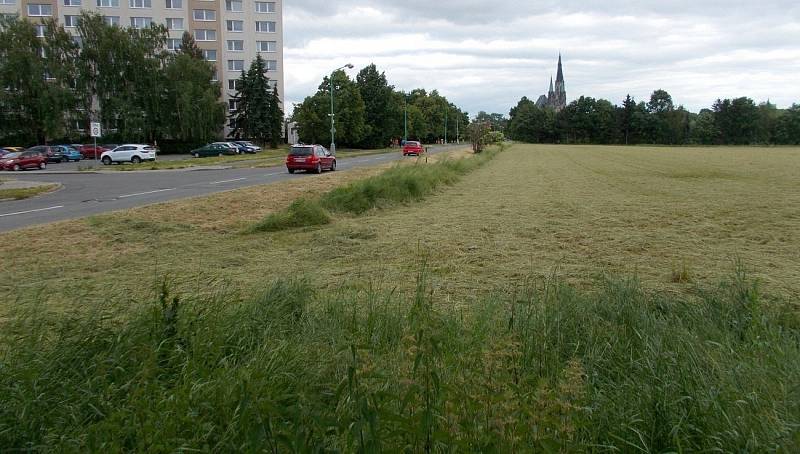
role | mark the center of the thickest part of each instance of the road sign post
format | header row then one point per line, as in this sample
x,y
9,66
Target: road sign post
x,y
95,131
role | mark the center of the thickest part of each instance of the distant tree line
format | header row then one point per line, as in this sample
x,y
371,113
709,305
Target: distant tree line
x,y
737,121
56,83
370,113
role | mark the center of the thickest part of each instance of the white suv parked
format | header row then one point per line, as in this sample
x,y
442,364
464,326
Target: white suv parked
x,y
129,153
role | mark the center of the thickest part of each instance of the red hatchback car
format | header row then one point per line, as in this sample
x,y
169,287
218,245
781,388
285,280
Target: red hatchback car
x,y
312,158
412,148
23,160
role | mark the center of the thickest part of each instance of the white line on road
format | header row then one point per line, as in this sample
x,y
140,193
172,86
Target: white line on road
x,y
32,211
227,181
144,193
271,174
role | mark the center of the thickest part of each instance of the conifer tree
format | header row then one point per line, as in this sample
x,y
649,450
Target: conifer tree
x,y
258,114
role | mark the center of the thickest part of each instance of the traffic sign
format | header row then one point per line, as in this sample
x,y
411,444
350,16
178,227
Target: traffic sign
x,y
96,131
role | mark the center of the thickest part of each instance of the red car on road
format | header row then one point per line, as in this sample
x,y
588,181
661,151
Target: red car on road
x,y
23,160
312,158
412,148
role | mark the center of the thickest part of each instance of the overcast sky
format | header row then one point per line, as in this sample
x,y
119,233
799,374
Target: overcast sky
x,y
486,55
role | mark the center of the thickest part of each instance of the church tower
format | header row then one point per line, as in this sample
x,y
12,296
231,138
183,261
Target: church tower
x,y
561,91
556,97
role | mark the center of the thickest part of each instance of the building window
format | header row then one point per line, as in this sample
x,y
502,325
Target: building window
x,y
210,54
174,4
108,3
234,5
141,22
234,84
174,23
77,40
40,10
140,3
235,65
40,29
265,7
264,26
71,21
235,45
214,77
267,46
67,2
7,2
173,44
272,83
231,105
235,25
205,35
204,15
112,21
272,65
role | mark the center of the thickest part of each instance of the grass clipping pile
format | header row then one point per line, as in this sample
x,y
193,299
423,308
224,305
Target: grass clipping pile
x,y
400,184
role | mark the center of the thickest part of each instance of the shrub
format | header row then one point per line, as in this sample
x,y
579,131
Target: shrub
x,y
301,213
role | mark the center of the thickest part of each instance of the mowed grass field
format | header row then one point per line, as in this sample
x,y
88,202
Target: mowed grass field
x,y
552,299
535,210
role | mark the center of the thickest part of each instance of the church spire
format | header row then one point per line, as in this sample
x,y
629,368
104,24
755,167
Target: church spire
x,y
551,85
560,74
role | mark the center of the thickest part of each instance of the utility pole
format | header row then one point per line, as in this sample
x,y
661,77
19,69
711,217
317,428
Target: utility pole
x,y
445,124
405,118
333,112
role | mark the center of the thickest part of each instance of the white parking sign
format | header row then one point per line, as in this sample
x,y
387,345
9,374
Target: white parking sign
x,y
95,130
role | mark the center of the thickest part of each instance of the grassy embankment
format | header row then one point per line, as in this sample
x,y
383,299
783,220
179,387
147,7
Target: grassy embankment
x,y
24,193
483,353
400,184
265,158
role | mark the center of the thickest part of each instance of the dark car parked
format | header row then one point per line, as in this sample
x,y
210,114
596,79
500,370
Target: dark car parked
x,y
214,149
52,154
312,158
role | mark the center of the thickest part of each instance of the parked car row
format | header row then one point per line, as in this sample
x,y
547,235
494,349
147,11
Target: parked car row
x,y
225,148
37,157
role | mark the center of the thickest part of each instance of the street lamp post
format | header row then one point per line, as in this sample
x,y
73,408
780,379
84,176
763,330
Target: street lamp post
x,y
333,112
405,119
445,125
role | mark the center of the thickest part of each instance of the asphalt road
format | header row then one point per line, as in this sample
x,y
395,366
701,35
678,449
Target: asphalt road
x,y
85,194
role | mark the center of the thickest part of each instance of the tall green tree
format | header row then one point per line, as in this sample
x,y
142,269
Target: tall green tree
x,y
788,127
381,111
312,115
258,114
197,115
189,46
736,120
37,74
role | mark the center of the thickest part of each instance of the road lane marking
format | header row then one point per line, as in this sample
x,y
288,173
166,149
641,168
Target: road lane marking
x,y
228,181
145,193
271,174
32,211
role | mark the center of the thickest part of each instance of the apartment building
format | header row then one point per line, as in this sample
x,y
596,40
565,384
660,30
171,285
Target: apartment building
x,y
230,32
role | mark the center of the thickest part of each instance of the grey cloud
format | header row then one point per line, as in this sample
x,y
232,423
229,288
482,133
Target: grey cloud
x,y
487,57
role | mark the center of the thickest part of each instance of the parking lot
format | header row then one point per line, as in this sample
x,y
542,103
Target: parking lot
x,y
85,164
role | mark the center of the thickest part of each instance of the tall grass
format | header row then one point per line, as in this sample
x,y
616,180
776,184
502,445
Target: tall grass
x,y
301,213
544,368
400,184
